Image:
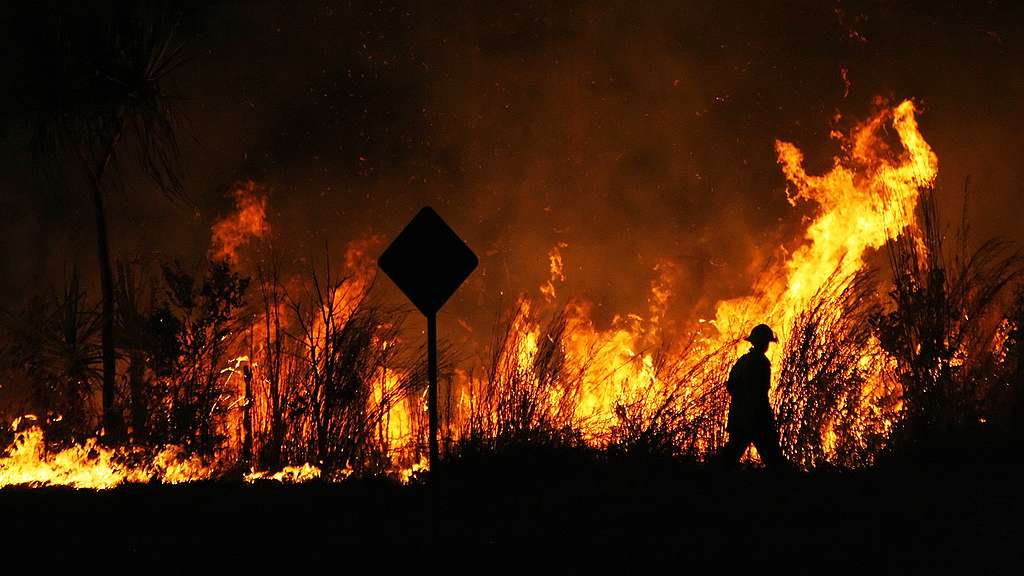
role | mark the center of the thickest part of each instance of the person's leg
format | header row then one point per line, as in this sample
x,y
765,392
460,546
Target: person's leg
x,y
767,443
730,454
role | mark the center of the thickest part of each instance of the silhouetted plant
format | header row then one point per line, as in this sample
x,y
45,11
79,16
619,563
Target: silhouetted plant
x,y
267,443
186,405
681,413
318,390
145,334
54,341
529,392
1012,356
943,318
829,409
95,78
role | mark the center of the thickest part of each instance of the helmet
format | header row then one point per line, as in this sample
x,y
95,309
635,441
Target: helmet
x,y
761,334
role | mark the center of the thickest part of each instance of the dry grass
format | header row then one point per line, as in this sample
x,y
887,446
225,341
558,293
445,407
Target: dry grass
x,y
947,305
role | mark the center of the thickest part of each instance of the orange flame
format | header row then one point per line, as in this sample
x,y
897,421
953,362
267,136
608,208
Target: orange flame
x,y
249,221
868,197
557,272
89,465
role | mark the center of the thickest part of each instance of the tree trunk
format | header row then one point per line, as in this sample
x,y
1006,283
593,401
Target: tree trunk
x,y
136,384
111,429
247,418
273,352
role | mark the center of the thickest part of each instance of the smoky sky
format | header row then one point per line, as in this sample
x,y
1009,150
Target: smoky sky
x,y
635,133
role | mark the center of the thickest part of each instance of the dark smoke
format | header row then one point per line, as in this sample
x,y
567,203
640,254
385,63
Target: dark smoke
x,y
634,132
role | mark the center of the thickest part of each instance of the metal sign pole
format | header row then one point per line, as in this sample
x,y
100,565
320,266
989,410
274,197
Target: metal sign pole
x,y
428,262
432,386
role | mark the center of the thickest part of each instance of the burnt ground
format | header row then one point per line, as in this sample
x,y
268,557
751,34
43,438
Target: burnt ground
x,y
541,509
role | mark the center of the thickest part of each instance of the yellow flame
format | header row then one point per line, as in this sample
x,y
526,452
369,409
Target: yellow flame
x,y
867,197
89,465
290,474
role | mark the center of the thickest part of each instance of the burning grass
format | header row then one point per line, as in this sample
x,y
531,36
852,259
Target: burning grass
x,y
305,375
836,403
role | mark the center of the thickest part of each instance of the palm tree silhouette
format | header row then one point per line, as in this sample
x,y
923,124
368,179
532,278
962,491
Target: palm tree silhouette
x,y
94,84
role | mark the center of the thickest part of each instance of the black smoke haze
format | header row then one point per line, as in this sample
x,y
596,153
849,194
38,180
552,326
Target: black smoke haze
x,y
635,133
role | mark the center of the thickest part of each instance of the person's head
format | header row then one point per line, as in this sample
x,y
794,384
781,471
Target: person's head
x,y
761,336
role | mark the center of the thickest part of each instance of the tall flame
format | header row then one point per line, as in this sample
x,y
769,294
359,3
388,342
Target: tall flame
x,y
868,197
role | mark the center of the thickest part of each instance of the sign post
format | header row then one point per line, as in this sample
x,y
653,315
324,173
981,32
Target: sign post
x,y
432,386
428,262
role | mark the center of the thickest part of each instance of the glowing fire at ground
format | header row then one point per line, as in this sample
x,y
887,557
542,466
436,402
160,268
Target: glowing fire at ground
x,y
90,465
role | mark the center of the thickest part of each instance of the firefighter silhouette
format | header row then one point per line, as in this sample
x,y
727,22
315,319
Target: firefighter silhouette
x,y
750,414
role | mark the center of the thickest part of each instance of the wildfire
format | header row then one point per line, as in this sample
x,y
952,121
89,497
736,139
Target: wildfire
x,y
610,383
289,475
868,197
89,465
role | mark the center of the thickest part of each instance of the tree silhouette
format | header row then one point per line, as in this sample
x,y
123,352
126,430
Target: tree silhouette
x,y
54,341
93,85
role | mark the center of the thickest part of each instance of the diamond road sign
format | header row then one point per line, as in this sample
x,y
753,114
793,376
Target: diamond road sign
x,y
428,261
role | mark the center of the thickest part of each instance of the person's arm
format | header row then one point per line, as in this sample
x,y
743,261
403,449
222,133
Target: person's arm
x,y
733,383
764,376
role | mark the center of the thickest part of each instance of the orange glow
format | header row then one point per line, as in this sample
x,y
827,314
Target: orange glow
x,y
249,221
867,198
557,272
90,465
629,368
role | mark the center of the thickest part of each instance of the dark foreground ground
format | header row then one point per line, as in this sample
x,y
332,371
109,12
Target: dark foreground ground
x,y
548,510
